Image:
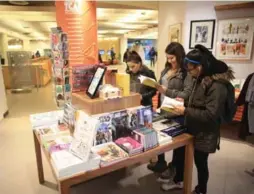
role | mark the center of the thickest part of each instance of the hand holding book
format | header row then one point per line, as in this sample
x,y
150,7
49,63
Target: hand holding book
x,y
147,81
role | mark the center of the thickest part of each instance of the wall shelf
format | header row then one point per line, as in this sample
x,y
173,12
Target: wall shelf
x,y
234,6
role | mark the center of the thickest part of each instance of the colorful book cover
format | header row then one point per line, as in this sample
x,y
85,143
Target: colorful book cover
x,y
60,143
120,125
146,116
134,120
129,144
109,152
104,129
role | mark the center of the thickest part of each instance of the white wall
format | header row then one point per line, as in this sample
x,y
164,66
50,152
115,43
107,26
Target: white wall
x,y
3,101
184,12
39,45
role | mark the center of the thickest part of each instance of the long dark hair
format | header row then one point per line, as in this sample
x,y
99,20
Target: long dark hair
x,y
175,48
134,57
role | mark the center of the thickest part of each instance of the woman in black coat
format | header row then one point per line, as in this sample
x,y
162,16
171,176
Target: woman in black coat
x,y
174,83
204,113
136,68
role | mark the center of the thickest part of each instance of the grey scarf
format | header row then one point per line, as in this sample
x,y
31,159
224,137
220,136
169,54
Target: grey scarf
x,y
250,99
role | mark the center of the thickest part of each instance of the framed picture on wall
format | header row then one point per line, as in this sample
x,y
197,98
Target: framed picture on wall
x,y
175,33
202,32
235,39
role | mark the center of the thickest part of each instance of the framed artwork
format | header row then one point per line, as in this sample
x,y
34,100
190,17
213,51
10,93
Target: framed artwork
x,y
175,33
235,39
202,32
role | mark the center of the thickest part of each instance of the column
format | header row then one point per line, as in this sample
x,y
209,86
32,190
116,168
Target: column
x,y
123,46
4,47
78,19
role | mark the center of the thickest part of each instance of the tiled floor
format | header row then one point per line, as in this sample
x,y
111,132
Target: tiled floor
x,y
18,168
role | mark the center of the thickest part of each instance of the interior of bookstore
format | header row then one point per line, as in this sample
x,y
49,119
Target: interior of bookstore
x,y
117,97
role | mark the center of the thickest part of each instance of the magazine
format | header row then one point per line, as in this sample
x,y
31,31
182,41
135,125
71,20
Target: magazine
x,y
110,153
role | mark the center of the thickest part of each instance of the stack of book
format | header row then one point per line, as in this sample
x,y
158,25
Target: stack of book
x,y
130,145
51,132
147,137
163,138
110,153
164,124
57,144
175,130
66,164
46,118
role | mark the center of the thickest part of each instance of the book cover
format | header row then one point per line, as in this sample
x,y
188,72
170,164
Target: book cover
x,y
120,125
145,116
148,81
45,119
104,129
109,153
84,135
60,143
168,104
135,118
129,144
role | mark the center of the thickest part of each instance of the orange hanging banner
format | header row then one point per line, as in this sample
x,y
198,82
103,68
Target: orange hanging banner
x,y
78,19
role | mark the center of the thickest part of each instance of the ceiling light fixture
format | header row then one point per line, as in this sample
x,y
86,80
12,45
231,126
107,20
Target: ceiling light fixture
x,y
20,2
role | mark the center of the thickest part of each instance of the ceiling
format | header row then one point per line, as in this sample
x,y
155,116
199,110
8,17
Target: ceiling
x,y
34,20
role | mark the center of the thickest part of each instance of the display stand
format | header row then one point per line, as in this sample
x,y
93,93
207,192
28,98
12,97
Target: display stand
x,y
98,105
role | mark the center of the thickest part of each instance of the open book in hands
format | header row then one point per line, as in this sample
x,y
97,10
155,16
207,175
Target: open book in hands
x,y
169,104
148,81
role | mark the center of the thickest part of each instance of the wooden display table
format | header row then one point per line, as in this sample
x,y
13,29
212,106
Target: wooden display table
x,y
65,184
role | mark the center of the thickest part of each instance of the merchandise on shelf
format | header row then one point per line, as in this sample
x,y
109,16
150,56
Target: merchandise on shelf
x,y
81,77
163,138
110,153
175,130
104,129
57,144
66,164
147,137
130,145
69,117
123,82
51,132
84,134
164,124
47,118
108,91
61,72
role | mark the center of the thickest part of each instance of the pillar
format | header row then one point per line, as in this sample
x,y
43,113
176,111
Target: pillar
x,y
4,47
123,46
78,19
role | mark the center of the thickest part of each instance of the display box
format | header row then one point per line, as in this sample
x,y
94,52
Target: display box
x,y
98,105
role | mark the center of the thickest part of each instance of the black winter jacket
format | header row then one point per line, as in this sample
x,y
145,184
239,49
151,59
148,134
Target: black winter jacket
x,y
146,92
205,109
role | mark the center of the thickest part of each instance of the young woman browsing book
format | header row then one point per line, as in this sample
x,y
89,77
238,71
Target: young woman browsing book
x,y
136,69
210,103
175,83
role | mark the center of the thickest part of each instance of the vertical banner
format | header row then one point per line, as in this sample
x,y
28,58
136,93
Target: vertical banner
x,y
78,19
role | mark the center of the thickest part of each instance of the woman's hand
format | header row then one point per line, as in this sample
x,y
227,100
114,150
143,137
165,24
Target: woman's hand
x,y
161,89
179,110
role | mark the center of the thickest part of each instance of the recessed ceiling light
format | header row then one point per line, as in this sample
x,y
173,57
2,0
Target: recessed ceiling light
x,y
20,2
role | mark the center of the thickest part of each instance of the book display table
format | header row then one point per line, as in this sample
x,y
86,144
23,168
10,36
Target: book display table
x,y
65,184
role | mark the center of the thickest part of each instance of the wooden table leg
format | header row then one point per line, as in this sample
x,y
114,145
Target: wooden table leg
x,y
63,188
38,159
188,167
